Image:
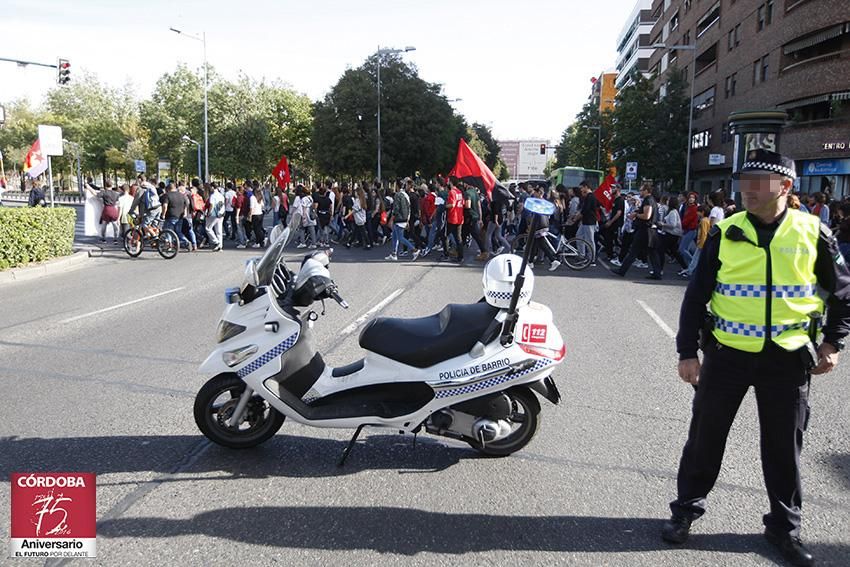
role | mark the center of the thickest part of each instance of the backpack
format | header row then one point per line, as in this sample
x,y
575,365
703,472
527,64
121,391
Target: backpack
x,y
151,199
217,209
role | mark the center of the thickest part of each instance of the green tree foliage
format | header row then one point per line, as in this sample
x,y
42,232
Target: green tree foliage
x,y
101,119
579,142
484,134
419,129
652,130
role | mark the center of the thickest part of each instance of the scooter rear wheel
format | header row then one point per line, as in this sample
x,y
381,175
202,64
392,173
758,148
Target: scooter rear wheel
x,y
214,405
525,414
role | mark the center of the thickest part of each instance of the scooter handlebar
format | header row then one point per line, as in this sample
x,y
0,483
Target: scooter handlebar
x,y
336,297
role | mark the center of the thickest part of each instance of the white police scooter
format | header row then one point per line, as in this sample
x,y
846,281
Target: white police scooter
x,y
468,372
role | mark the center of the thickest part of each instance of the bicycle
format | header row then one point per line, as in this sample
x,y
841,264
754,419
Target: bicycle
x,y
164,240
575,252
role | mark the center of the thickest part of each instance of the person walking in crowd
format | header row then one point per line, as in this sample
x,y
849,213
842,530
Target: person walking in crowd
x,y
614,225
773,253
174,208
454,218
646,238
400,220
359,207
229,211
125,205
215,212
256,205
324,213
718,212
688,214
110,215
589,218
671,233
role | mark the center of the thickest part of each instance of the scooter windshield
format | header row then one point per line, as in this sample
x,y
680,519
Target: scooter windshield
x,y
274,254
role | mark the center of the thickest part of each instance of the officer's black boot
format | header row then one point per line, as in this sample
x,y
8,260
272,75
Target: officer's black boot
x,y
677,529
791,547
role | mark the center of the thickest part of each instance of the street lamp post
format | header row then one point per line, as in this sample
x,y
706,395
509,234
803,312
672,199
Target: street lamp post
x,y
203,40
689,47
380,53
188,139
598,143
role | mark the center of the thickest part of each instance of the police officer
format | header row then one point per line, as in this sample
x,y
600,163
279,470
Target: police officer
x,y
760,270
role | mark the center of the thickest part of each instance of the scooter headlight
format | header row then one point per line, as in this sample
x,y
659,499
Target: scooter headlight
x,y
227,330
234,357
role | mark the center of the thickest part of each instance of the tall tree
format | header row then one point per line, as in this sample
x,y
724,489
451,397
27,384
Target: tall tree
x,y
419,130
484,134
634,127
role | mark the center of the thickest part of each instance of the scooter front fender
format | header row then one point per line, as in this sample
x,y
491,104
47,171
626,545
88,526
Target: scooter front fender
x,y
214,364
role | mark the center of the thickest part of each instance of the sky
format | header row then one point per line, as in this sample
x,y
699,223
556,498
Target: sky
x,y
521,67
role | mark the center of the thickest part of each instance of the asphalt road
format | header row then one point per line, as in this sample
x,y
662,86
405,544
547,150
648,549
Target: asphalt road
x,y
112,393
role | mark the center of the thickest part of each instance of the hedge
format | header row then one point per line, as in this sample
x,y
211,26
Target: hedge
x,y
35,234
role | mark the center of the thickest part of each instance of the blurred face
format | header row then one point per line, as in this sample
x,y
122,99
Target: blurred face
x,y
762,192
692,200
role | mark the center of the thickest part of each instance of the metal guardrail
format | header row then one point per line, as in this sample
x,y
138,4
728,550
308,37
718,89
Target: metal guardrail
x,y
59,198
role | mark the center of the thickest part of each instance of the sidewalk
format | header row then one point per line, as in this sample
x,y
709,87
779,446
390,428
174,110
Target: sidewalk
x,y
54,266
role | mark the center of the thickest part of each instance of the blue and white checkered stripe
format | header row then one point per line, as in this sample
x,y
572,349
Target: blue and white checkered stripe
x,y
505,295
490,382
780,291
268,357
791,291
758,331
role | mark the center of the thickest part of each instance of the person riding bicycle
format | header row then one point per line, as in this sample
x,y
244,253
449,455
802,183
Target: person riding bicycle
x,y
148,205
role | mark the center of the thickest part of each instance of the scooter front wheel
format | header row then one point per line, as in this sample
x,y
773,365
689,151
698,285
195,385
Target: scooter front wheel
x,y
216,402
524,420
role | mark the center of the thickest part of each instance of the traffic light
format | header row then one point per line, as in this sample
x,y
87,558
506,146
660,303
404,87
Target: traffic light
x,y
63,72
542,149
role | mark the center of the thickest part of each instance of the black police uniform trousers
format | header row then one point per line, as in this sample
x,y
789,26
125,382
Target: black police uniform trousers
x,y
780,380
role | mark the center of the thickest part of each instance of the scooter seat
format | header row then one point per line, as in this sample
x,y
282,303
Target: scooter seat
x,y
426,341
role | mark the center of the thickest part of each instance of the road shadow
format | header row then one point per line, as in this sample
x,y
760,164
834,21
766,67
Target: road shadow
x,y
408,531
289,456
840,468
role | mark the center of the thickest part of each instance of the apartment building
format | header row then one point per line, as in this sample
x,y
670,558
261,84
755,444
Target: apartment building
x,y
633,51
792,55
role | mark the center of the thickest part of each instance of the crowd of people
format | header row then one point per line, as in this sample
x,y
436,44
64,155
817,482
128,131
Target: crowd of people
x,y
646,229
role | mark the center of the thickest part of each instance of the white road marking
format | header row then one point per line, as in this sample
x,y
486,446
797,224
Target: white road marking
x,y
360,320
120,305
657,319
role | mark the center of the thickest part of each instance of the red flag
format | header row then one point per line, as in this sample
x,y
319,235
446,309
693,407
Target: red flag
x,y
281,172
35,163
603,193
472,170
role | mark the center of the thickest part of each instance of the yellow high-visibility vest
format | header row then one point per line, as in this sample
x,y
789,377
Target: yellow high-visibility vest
x,y
757,287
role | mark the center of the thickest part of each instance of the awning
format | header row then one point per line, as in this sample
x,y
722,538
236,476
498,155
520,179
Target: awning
x,y
817,38
803,102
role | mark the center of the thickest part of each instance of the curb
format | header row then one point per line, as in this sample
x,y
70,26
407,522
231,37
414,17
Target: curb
x,y
49,267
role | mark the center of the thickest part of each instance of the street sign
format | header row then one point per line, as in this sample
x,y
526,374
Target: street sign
x,y
50,138
716,159
631,170
140,166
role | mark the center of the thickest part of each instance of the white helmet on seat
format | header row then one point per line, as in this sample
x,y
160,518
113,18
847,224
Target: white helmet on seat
x,y
499,276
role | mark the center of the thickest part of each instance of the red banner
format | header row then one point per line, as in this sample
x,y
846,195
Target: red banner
x,y
281,172
471,169
35,163
603,193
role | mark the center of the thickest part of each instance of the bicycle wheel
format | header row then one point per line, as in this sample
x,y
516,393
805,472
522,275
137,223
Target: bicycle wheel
x,y
577,253
134,242
167,244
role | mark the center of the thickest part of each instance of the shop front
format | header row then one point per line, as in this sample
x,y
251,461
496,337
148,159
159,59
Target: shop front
x,y
825,175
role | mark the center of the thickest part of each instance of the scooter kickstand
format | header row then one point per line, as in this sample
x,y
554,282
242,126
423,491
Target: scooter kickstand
x,y
350,446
